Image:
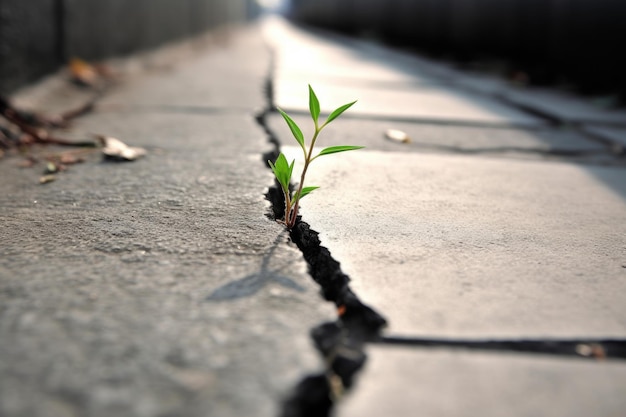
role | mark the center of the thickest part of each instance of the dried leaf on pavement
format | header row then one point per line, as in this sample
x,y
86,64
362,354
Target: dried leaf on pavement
x,y
117,150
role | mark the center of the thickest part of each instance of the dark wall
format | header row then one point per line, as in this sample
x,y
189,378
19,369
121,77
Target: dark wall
x,y
28,41
553,40
38,36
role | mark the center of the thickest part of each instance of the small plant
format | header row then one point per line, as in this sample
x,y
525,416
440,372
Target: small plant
x,y
283,169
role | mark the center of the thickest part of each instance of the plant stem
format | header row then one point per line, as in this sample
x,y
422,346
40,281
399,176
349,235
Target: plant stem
x,y
292,215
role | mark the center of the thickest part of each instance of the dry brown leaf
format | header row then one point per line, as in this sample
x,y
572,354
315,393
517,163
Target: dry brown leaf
x,y
83,72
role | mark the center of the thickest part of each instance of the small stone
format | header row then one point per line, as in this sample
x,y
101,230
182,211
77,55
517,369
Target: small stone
x,y
46,179
397,136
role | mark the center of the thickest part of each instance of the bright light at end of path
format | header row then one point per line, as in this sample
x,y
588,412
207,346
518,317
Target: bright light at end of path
x,y
269,4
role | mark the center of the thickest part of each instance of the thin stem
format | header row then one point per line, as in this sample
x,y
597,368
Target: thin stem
x,y
287,204
292,215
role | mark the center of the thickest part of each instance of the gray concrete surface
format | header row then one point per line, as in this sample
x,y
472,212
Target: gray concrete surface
x,y
475,247
451,383
481,232
157,287
160,288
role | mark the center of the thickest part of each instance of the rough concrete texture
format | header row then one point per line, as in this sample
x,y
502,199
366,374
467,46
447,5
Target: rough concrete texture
x,y
157,287
160,288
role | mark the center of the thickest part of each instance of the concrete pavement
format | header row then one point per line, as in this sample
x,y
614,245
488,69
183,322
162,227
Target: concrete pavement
x,y
158,287
502,219
161,288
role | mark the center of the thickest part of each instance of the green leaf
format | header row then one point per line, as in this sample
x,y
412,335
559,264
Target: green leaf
x,y
338,112
297,133
282,170
336,149
314,105
304,192
277,174
290,170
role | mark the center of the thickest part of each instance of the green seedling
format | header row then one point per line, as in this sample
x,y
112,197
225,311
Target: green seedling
x,y
283,169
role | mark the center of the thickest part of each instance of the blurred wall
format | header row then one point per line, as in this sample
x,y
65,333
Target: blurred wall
x,y
554,40
38,36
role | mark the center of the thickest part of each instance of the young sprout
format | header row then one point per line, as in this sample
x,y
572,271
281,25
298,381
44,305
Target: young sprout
x,y
283,169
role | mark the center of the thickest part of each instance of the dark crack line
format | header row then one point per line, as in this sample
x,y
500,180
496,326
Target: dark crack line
x,y
586,348
515,149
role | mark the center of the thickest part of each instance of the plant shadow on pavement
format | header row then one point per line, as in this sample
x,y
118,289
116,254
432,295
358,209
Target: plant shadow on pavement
x,y
253,283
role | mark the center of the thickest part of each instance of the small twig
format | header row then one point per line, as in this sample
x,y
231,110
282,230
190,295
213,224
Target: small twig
x,y
33,125
82,110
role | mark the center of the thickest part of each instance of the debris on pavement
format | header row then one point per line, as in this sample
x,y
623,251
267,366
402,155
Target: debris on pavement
x,y
84,74
45,179
397,136
115,149
26,127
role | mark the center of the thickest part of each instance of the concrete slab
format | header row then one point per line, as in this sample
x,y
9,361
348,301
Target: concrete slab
x,y
157,287
424,104
152,287
404,382
468,246
386,83
563,106
309,57
239,67
220,74
547,143
302,53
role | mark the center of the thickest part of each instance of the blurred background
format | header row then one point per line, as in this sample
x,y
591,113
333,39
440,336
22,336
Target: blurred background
x,y
574,44
39,36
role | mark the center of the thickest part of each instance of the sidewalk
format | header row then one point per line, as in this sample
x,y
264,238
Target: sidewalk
x,y
501,220
161,288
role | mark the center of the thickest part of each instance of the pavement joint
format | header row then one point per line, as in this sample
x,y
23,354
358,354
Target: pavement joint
x,y
579,126
505,149
581,348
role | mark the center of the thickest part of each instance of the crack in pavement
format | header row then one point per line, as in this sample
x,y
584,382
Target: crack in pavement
x,y
342,342
586,348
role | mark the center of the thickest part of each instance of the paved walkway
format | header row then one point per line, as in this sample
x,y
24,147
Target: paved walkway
x,y
161,288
